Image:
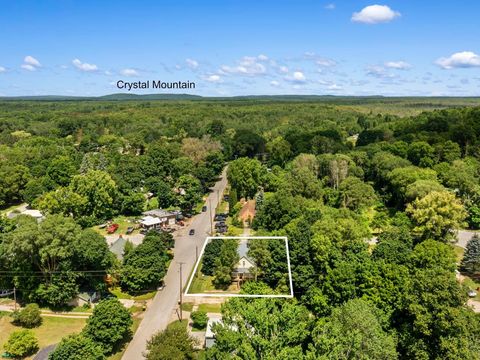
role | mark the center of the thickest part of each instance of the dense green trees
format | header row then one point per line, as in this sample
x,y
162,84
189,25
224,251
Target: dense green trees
x,y
57,249
146,264
246,176
262,329
437,215
354,331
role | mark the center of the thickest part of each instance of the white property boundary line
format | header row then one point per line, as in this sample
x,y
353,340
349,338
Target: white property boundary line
x,y
241,295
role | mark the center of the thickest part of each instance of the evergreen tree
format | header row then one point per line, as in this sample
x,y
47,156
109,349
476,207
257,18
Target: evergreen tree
x,y
471,259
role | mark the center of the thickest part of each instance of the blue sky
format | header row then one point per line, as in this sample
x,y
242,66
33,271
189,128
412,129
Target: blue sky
x,y
241,47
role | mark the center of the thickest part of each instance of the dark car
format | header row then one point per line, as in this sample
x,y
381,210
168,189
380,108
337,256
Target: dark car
x,y
129,230
204,209
191,232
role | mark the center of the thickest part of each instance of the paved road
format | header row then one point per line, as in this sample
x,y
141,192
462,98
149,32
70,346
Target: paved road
x,y
164,303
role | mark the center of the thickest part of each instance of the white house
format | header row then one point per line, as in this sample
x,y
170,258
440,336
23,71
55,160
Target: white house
x,y
245,267
150,222
209,335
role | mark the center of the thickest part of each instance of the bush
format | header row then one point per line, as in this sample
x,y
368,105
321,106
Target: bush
x,y
173,343
199,319
21,343
28,317
77,347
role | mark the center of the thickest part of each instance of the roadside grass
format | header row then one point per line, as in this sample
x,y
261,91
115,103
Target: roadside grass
x,y
222,208
123,295
210,308
52,330
187,306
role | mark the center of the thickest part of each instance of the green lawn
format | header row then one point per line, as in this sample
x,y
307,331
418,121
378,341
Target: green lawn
x,y
122,295
123,221
211,308
201,284
50,332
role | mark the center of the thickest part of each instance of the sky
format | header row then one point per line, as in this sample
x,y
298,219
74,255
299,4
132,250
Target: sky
x,y
241,47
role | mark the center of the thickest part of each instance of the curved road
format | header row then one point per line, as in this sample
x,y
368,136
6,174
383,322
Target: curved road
x,y
158,314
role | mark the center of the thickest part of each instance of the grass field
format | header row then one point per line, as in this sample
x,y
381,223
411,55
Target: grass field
x,y
50,332
210,308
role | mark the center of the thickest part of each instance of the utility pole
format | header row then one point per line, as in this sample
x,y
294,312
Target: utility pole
x,y
196,259
15,298
181,290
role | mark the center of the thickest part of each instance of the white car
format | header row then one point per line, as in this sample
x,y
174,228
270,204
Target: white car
x,y
472,293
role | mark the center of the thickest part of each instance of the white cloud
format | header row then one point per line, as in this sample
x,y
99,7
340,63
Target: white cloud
x,y
274,83
129,72
84,66
323,62
213,78
297,77
28,67
283,69
192,64
375,14
330,6
399,65
30,60
464,59
247,66
379,72
335,87
2,69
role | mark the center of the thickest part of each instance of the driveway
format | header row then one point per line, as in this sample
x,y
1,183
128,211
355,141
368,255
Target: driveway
x,y
165,302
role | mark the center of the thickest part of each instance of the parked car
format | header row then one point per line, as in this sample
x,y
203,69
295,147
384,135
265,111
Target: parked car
x,y
161,286
204,208
222,230
191,232
112,228
472,293
129,230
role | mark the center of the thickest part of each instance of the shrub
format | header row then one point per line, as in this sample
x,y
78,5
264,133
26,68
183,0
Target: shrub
x,y
28,317
21,343
77,347
109,324
199,319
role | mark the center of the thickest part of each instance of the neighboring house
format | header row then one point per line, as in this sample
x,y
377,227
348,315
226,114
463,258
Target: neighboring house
x,y
209,335
118,246
85,298
166,217
150,223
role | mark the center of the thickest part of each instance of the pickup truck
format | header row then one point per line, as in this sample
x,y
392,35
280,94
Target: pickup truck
x,y
112,228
